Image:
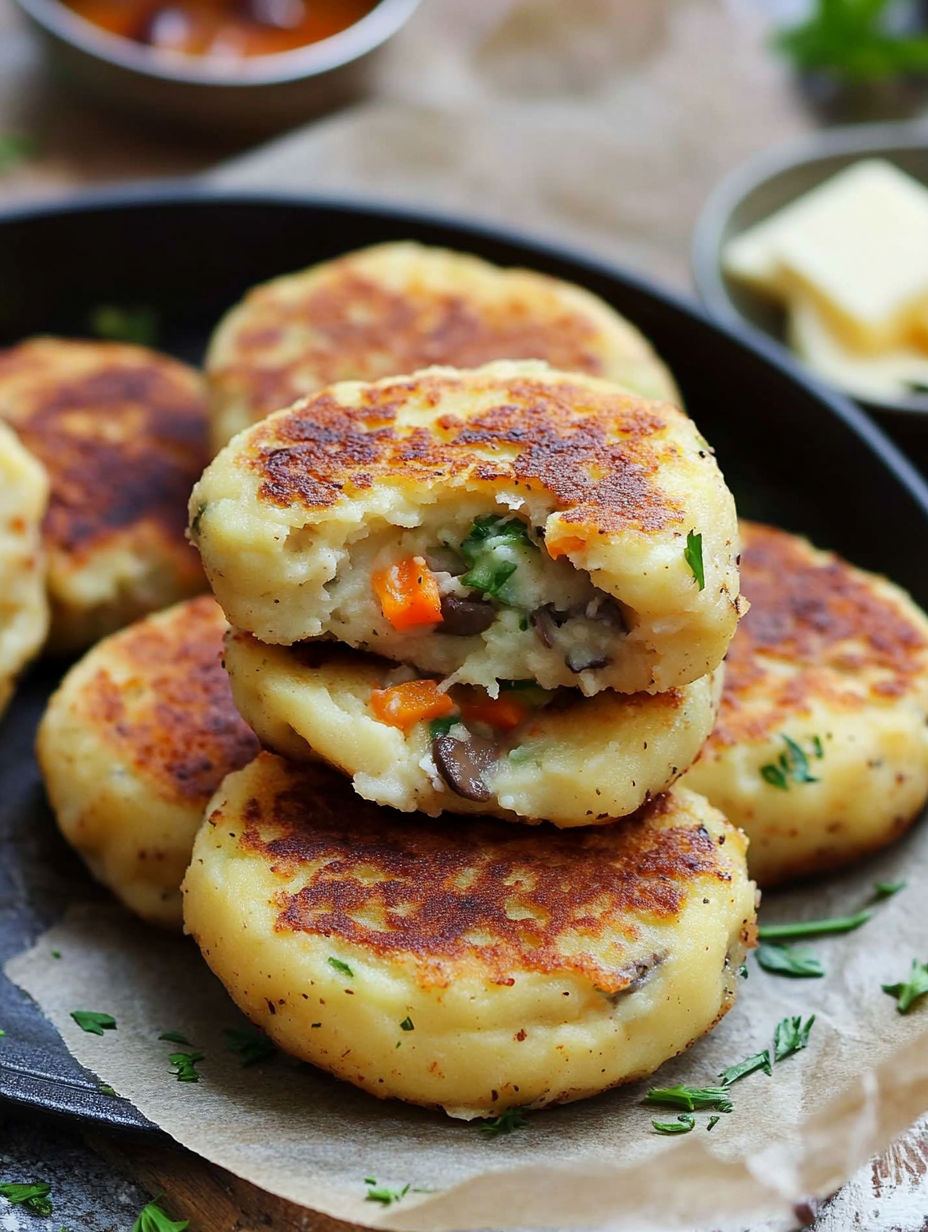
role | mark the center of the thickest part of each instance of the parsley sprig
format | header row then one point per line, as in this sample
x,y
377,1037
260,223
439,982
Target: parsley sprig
x,y
909,991
792,766
790,1036
33,1195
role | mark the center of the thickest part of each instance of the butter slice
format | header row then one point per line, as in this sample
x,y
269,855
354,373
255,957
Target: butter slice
x,y
858,244
885,377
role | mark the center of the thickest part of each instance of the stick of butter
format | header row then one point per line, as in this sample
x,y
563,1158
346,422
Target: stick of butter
x,y
857,245
885,377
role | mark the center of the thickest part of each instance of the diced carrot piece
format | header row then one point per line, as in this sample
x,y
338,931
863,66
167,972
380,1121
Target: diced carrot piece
x,y
504,712
561,547
408,593
405,705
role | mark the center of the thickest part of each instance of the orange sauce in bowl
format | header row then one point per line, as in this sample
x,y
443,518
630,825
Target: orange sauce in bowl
x,y
227,29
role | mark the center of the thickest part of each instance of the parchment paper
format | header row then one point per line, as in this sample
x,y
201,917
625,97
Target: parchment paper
x,y
311,1139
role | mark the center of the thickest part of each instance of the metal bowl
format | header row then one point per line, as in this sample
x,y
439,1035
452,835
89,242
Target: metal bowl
x,y
767,183
257,96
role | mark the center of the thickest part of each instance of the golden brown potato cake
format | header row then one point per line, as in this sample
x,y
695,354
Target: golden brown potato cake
x,y
462,963
23,605
121,431
506,523
821,749
528,755
132,746
400,307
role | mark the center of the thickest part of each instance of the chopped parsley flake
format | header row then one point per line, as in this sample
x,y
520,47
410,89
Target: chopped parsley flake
x,y
441,727
793,765
908,993
173,1037
33,1196
760,1060
886,889
692,554
790,1036
252,1045
690,1098
56,953
488,551
684,1124
105,1090
798,961
341,967
713,1121
140,325
505,1123
197,519
813,928
92,1022
380,1193
184,1064
407,1024
153,1219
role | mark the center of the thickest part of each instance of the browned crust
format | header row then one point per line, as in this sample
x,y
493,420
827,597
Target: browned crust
x,y
597,450
170,712
825,623
121,430
439,889
356,328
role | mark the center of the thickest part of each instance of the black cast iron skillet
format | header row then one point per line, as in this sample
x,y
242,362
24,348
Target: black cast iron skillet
x,y
793,455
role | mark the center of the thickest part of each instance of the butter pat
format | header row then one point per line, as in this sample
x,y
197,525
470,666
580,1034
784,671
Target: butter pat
x,y
883,377
857,245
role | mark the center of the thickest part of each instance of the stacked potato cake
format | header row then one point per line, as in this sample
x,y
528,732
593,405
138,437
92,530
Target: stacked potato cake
x,y
503,591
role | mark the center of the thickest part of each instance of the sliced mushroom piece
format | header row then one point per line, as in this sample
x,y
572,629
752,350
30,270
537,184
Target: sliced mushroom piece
x,y
606,610
544,626
465,617
638,974
462,763
579,661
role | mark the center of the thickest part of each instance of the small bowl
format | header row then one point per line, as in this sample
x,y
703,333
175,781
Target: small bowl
x,y
772,180
253,97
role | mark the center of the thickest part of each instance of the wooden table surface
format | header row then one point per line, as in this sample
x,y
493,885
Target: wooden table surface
x,y
643,81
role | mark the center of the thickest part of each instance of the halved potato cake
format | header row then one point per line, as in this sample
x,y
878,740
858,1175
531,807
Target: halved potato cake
x,y
132,746
23,606
121,431
467,964
821,749
507,523
527,755
400,307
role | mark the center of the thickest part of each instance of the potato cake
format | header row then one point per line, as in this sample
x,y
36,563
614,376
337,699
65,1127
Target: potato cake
x,y
132,746
527,755
464,963
400,307
507,523
821,749
121,431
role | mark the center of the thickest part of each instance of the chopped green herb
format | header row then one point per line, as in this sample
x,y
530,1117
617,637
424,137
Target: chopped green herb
x,y
153,1219
92,1022
197,519
105,1090
523,624
505,1123
760,1060
886,889
33,1196
690,1098
341,967
407,1024
488,551
856,41
791,1035
813,928
15,148
184,1064
908,993
793,765
797,960
692,554
251,1045
441,727
682,1125
743,971
140,325
56,953
713,1121
173,1037
383,1195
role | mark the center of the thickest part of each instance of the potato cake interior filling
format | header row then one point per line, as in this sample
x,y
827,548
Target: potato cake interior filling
x,y
451,582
